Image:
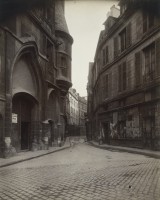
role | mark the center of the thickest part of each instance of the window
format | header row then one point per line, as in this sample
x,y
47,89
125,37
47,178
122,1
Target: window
x,y
50,51
115,41
138,69
149,62
123,40
148,21
105,55
105,86
122,84
63,66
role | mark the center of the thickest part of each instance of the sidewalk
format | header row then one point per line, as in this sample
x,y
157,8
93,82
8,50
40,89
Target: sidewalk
x,y
23,156
150,153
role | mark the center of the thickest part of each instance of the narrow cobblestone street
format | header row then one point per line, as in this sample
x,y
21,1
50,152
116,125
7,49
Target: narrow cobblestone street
x,y
82,172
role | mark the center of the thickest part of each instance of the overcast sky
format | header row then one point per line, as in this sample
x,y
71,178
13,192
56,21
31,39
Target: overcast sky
x,y
85,21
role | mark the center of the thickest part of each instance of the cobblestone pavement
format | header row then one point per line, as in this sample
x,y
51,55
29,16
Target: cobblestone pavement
x,y
82,172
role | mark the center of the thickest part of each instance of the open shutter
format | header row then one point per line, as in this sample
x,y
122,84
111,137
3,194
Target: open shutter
x,y
138,69
158,57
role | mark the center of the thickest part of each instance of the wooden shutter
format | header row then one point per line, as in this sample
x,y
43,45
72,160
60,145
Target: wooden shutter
x,y
138,69
158,57
128,35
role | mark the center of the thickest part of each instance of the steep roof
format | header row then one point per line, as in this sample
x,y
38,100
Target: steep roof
x,y
60,21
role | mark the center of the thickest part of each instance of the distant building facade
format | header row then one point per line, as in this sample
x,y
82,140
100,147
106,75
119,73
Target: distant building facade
x,y
76,109
124,80
35,75
73,107
82,101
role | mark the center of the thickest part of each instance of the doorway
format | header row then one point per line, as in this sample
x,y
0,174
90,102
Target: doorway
x,y
106,129
148,128
22,106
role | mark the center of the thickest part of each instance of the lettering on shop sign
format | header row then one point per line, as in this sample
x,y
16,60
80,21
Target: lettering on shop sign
x,y
14,118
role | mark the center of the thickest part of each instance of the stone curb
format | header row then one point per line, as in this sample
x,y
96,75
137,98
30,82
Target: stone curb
x,y
32,157
129,150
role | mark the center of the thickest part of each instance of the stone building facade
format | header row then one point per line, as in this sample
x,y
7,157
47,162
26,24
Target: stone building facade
x,y
124,87
73,107
82,110
76,107
35,75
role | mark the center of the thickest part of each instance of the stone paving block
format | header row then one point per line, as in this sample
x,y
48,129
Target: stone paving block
x,y
83,174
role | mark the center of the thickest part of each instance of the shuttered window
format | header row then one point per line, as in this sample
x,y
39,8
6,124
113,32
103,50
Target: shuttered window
x,y
138,69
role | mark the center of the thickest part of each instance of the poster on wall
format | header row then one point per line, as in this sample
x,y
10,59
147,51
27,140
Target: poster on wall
x,y
14,118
